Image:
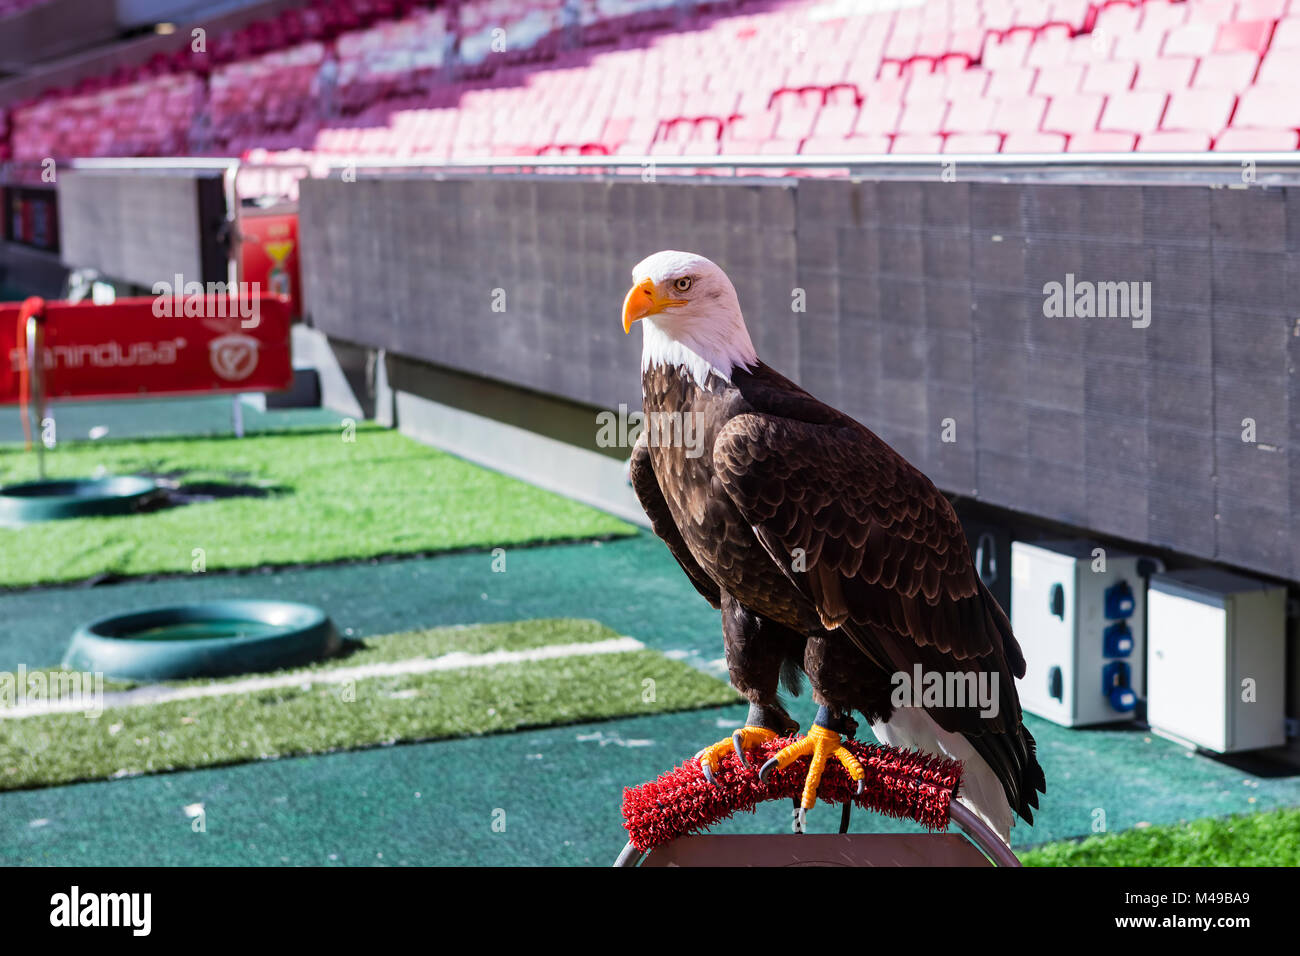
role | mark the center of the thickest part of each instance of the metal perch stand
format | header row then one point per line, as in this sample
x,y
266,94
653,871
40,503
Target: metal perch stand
x,y
665,817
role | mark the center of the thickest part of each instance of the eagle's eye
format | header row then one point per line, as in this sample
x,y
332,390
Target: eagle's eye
x,y
683,284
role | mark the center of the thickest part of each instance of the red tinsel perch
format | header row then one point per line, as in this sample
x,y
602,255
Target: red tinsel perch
x,y
899,783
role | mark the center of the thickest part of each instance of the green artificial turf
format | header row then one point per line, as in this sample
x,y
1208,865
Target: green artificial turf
x,y
303,497
311,718
1262,839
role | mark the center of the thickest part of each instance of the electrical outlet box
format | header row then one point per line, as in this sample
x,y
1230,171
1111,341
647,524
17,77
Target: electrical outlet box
x,y
1078,611
1216,660
990,548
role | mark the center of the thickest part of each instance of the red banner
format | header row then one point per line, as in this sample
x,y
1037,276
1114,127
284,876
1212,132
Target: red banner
x,y
166,345
268,253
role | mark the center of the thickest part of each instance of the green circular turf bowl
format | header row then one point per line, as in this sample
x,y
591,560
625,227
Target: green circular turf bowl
x,y
210,639
32,502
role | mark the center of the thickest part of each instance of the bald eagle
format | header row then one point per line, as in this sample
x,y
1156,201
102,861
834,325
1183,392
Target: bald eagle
x,y
827,553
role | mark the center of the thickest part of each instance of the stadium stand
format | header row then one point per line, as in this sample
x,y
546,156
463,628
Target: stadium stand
x,y
396,78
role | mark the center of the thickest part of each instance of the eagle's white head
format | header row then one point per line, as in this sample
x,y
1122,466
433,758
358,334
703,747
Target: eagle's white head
x,y
690,315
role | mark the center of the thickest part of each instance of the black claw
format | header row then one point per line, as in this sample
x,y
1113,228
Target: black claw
x,y
766,769
708,773
736,741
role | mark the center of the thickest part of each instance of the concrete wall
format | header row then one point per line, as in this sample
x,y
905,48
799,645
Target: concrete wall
x,y
925,304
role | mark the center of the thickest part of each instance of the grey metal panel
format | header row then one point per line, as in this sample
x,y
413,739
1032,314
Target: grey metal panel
x,y
924,301
413,265
138,229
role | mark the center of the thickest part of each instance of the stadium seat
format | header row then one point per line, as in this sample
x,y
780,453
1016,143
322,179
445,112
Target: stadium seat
x,y
878,115
1025,142
1280,67
923,117
972,143
1079,113
1198,109
1063,80
917,143
1165,74
1095,142
1004,84
971,115
343,77
1112,76
1021,114
1194,39
1247,36
1262,140
1163,141
1268,107
1136,112
853,145
835,122
1226,71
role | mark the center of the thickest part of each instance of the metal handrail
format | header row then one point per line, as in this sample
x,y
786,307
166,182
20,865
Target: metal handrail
x,y
1182,168
976,830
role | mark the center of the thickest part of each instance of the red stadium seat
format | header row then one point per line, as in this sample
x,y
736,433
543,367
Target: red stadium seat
x,y
1063,80
1136,112
1163,141
917,143
1199,109
1280,67
1023,114
1268,107
923,117
1117,19
853,145
878,115
1163,15
1004,84
1262,9
1193,39
966,85
1226,71
1143,44
1287,36
1165,74
1015,75
1079,113
927,86
1102,142
1007,53
835,122
1257,140
969,143
1113,76
1248,36
1034,143
973,115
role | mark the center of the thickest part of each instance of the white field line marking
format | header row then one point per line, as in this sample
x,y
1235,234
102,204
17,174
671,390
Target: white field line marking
x,y
456,660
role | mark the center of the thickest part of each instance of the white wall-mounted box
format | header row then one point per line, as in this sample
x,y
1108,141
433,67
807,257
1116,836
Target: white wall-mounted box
x,y
1216,645
1081,630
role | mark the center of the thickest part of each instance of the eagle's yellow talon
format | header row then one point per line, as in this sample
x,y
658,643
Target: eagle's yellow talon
x,y
819,745
745,738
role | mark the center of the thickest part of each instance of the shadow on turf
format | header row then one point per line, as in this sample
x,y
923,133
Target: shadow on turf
x,y
178,492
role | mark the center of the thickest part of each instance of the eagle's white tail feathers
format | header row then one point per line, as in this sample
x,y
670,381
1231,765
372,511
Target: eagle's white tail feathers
x,y
981,791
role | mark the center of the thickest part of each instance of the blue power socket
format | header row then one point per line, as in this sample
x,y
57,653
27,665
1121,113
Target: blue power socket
x,y
1119,600
1117,640
1115,681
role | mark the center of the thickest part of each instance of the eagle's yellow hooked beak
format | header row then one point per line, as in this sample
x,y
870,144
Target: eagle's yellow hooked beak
x,y
642,300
